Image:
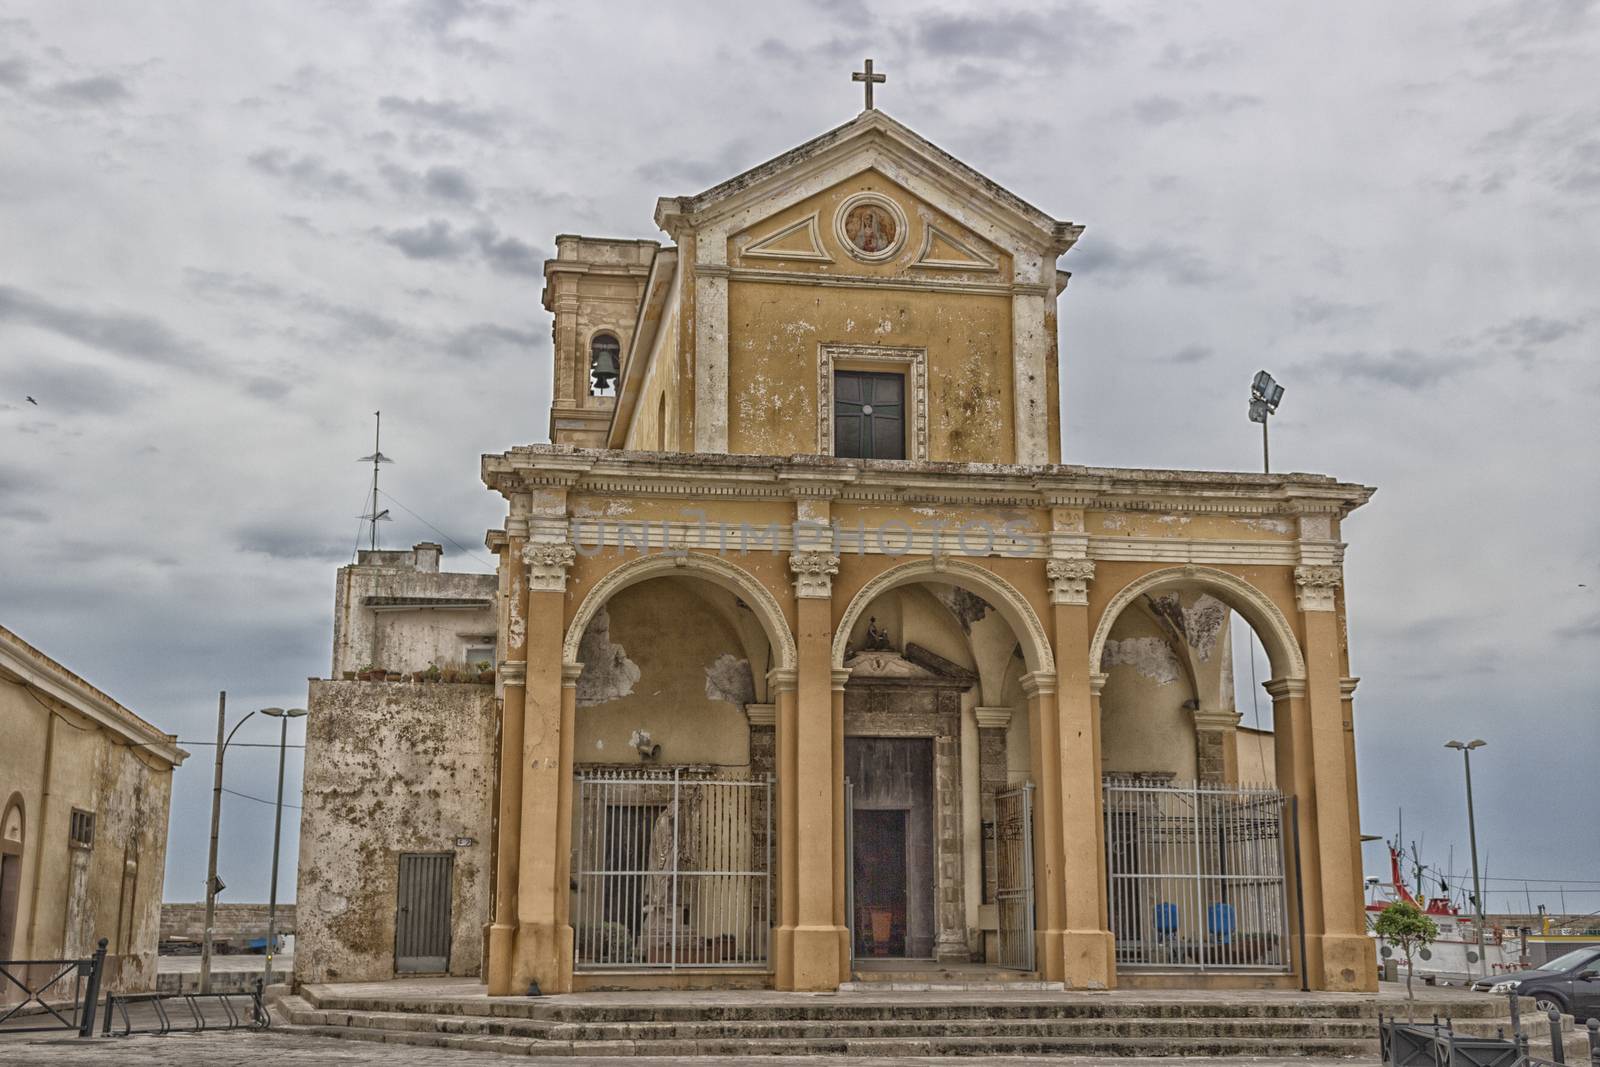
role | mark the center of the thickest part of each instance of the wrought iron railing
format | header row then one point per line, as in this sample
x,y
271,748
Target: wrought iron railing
x,y
671,869
56,994
1195,876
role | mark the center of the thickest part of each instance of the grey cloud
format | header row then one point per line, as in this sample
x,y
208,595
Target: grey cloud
x,y
1314,311
13,72
1198,56
444,20
1071,32
137,337
448,114
439,182
481,338
97,91
308,172
64,388
289,543
1115,265
438,239
1531,331
1191,354
355,324
434,239
1404,368
1160,109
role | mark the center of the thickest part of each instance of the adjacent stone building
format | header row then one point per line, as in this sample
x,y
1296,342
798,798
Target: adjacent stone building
x,y
399,771
85,785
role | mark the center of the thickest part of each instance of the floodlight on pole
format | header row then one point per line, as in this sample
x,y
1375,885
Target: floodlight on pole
x,y
283,715
1465,748
1265,395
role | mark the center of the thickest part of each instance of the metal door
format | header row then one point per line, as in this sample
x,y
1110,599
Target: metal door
x,y
422,914
1013,853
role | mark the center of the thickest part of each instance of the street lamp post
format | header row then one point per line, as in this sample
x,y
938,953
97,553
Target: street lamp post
x,y
213,884
1466,748
283,715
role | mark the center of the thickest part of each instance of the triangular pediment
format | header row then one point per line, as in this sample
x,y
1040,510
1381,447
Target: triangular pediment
x,y
874,142
945,251
797,240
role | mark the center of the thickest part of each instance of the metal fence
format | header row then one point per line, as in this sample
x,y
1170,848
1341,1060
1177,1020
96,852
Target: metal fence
x,y
671,869
1013,850
1195,876
56,994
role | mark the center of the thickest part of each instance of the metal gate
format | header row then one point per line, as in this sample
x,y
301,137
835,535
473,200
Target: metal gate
x,y
671,869
1195,876
422,913
1013,856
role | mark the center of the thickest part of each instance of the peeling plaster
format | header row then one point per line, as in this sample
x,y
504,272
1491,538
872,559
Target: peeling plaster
x,y
968,607
608,673
1151,657
1205,619
728,678
1267,525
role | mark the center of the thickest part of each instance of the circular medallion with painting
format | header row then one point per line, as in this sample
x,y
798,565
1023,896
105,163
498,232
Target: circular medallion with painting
x,y
871,229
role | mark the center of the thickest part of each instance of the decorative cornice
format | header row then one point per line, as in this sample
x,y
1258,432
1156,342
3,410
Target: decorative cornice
x,y
1314,587
1038,683
548,563
813,573
992,718
1279,688
1069,580
761,714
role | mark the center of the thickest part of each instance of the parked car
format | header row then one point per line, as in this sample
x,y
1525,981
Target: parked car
x,y
1570,984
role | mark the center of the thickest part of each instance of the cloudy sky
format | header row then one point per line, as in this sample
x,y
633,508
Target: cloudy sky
x,y
229,232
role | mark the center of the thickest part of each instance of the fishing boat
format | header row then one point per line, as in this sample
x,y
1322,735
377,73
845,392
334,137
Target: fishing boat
x,y
1453,957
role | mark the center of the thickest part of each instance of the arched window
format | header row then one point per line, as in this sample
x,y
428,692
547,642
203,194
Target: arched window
x,y
605,363
12,832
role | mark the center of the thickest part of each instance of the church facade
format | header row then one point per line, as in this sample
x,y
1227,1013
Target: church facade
x,y
814,657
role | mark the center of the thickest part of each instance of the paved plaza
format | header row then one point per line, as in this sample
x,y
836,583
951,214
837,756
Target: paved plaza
x,y
289,1049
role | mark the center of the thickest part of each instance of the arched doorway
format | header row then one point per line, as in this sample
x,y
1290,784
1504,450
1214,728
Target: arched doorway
x,y
937,755
1196,832
674,660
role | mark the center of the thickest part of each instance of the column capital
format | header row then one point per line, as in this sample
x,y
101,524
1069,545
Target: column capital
x,y
1347,687
761,714
570,673
1278,688
782,679
1216,719
1069,580
813,574
513,672
1314,586
1097,683
548,563
992,718
840,675
1038,683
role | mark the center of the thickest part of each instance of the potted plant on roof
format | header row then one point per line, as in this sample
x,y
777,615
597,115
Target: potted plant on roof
x,y
485,671
433,673
368,672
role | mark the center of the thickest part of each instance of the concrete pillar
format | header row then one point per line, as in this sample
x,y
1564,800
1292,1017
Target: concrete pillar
x,y
544,938
781,690
1048,879
818,956
1216,742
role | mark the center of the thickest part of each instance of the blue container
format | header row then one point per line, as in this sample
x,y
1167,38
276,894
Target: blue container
x,y
1220,921
1166,919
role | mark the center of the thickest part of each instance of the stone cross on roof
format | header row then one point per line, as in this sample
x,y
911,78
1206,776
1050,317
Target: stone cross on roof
x,y
870,78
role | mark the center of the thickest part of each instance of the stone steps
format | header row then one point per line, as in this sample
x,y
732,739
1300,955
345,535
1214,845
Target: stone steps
x,y
861,1024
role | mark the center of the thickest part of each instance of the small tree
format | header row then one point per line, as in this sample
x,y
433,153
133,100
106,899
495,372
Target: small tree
x,y
1404,926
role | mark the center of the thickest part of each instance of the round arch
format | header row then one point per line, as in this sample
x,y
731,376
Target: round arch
x,y
1283,650
736,580
14,804
1012,605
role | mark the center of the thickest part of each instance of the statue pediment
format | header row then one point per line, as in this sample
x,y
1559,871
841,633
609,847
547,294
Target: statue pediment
x,y
916,665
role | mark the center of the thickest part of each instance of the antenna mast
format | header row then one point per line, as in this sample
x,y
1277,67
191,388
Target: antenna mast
x,y
375,516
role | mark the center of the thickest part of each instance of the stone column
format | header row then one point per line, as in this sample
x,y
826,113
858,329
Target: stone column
x,y
818,780
513,681
1216,743
763,720
781,688
992,726
950,883
1085,941
1292,762
1044,731
1347,961
544,939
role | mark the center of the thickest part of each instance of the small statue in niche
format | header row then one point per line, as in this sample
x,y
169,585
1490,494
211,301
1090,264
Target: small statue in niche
x,y
877,637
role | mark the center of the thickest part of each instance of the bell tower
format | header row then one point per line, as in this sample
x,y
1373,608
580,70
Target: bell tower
x,y
592,288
